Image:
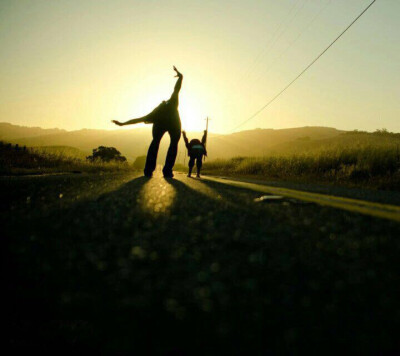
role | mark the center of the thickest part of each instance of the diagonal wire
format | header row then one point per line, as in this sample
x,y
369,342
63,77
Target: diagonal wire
x,y
304,70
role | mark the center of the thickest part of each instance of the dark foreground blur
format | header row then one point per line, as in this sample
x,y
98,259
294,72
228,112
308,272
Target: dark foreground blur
x,y
121,264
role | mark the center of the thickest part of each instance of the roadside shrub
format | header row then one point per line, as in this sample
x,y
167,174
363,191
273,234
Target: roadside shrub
x,y
106,154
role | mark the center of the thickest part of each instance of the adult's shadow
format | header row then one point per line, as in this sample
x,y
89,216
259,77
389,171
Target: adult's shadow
x,y
112,252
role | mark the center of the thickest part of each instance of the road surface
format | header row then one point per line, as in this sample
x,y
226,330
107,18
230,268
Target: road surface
x,y
371,208
119,262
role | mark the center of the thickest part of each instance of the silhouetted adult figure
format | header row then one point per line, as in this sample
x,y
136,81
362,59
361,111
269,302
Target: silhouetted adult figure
x,y
196,151
165,118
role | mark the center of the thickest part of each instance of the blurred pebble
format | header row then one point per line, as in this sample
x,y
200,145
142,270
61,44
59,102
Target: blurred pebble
x,y
266,198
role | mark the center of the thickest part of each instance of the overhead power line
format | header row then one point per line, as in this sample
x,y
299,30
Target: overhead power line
x,y
305,69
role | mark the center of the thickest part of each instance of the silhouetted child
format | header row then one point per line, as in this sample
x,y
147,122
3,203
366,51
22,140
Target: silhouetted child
x,y
196,151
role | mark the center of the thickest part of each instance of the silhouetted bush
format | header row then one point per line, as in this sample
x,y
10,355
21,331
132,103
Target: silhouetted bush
x,y
106,154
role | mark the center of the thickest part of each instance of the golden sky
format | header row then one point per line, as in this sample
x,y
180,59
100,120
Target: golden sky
x,y
80,63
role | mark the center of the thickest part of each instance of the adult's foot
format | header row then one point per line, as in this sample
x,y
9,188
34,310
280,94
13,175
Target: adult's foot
x,y
167,173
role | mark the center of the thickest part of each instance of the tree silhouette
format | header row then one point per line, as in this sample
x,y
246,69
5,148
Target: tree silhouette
x,y
106,154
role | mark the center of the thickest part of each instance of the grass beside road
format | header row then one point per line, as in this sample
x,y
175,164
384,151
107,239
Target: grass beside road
x,y
15,160
375,167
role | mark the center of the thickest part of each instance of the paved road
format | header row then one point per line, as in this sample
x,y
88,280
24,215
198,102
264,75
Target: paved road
x,y
391,197
371,208
121,263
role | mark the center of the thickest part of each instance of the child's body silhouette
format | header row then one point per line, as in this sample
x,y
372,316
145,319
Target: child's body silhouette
x,y
196,151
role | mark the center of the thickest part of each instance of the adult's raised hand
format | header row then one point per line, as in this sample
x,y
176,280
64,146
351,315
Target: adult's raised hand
x,y
178,73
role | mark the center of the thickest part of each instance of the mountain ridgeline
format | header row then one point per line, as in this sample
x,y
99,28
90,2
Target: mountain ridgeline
x,y
252,143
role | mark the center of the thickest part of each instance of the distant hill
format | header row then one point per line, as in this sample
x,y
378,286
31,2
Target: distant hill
x,y
10,131
131,143
346,140
260,142
134,142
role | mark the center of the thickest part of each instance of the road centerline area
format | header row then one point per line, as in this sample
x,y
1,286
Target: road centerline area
x,y
385,211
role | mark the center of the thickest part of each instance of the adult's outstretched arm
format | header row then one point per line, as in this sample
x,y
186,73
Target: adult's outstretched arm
x,y
131,122
149,118
178,84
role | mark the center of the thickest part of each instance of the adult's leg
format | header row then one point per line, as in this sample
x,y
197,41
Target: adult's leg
x,y
175,135
151,158
191,165
199,163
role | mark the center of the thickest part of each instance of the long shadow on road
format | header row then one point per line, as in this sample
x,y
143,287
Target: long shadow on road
x,y
197,267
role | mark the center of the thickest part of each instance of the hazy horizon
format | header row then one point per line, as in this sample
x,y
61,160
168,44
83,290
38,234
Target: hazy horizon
x,y
148,128
75,65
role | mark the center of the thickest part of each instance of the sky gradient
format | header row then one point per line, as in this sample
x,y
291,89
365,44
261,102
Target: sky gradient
x,y
79,64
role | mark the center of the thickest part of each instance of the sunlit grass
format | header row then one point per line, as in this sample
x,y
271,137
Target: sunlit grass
x,y
377,166
18,160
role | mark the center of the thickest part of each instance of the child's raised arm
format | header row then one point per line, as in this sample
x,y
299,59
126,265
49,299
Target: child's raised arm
x,y
204,139
185,139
